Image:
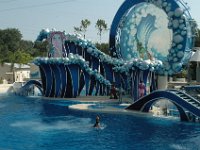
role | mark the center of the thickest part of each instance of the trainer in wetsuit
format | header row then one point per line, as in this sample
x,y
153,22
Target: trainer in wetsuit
x,y
97,123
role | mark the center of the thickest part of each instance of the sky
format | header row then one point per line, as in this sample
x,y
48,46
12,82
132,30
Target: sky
x,y
30,16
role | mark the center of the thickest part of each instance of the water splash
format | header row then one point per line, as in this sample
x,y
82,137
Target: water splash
x,y
68,124
179,147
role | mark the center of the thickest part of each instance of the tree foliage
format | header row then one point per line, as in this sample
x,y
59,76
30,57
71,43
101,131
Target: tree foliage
x,y
101,26
9,42
20,57
15,50
104,47
40,49
83,27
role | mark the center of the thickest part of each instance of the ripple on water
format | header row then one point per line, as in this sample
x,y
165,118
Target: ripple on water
x,y
2,105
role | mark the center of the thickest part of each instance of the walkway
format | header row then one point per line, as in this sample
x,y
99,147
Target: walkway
x,y
181,100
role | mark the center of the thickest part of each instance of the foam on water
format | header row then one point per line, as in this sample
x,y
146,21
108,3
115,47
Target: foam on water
x,y
125,104
102,127
184,146
69,124
81,106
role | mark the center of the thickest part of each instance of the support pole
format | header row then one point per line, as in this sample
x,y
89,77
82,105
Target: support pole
x,y
198,72
162,82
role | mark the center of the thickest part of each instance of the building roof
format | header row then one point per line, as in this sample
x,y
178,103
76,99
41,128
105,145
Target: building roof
x,y
196,56
18,66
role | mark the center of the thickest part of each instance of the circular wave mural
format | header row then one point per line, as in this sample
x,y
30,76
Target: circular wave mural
x,y
142,32
154,30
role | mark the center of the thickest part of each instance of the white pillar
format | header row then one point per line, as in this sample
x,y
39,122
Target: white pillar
x,y
162,82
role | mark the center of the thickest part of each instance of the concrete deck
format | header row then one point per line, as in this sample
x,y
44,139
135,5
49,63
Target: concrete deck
x,y
92,99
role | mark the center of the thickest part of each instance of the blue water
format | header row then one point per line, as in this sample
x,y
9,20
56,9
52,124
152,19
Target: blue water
x,y
35,124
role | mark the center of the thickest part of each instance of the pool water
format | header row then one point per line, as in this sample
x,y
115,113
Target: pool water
x,y
36,124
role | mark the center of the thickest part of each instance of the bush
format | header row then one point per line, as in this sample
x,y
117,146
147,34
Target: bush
x,y
182,74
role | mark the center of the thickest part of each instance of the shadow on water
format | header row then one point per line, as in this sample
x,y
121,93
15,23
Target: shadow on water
x,y
51,110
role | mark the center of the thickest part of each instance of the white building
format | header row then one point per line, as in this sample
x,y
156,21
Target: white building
x,y
196,58
19,73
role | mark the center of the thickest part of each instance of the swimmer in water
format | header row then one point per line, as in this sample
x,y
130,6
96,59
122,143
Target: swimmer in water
x,y
97,123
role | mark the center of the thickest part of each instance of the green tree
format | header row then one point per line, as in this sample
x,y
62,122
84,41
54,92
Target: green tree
x,y
9,42
15,50
104,47
40,49
26,46
20,57
101,26
83,27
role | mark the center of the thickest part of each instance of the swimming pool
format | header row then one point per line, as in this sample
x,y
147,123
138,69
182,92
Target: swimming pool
x,y
33,123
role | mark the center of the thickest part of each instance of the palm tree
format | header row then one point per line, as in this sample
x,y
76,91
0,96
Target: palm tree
x,y
101,26
83,27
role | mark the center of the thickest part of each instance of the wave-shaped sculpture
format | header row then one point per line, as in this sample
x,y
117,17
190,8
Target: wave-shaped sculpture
x,y
84,67
145,29
138,49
